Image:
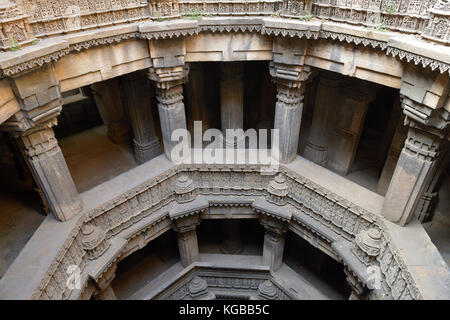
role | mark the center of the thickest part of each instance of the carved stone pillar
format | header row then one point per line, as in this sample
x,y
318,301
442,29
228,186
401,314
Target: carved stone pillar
x,y
50,169
169,94
273,248
326,98
288,108
138,100
185,216
411,175
425,98
232,97
108,100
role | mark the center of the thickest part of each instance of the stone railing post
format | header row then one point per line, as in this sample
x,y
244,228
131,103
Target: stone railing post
x,y
50,169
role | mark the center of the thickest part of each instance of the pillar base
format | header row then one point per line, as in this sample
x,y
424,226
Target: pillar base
x,y
146,152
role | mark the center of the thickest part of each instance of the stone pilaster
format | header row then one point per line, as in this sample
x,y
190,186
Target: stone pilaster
x,y
172,116
108,100
327,95
290,81
425,101
138,100
50,169
411,175
232,98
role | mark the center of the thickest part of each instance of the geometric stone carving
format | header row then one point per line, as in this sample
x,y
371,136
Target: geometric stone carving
x,y
197,287
14,25
438,28
267,290
369,243
278,190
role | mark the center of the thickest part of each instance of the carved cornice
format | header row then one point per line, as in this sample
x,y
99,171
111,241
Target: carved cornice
x,y
418,59
181,28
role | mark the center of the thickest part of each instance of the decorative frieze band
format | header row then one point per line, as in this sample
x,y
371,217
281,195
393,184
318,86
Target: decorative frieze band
x,y
332,212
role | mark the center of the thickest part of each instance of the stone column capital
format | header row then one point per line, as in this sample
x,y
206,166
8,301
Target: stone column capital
x,y
289,76
274,228
168,77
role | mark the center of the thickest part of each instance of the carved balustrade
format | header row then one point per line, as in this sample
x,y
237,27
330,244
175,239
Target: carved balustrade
x,y
329,213
22,21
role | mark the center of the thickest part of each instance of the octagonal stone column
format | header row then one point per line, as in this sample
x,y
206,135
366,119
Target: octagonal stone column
x,y
412,173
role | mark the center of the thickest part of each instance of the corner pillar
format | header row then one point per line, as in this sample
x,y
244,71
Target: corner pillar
x,y
288,107
232,97
50,169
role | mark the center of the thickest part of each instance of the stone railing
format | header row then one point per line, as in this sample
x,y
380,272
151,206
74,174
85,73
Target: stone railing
x,y
329,213
22,22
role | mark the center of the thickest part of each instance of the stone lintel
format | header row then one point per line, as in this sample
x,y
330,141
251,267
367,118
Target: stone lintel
x,y
281,213
178,211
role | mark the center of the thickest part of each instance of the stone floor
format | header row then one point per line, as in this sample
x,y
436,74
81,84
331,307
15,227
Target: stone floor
x,y
20,217
92,158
